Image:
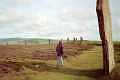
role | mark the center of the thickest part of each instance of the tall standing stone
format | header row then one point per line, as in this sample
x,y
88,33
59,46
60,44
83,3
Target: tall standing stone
x,y
105,30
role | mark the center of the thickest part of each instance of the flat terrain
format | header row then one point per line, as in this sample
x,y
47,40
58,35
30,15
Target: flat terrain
x,y
82,61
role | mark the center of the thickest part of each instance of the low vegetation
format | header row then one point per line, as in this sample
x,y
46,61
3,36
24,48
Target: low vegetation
x,y
82,61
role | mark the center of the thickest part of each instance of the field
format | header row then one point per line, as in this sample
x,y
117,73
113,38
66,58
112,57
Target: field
x,y
82,61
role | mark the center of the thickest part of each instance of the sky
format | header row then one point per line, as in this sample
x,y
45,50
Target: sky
x,y
54,19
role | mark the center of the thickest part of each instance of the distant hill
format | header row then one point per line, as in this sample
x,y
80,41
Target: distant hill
x,y
29,40
16,39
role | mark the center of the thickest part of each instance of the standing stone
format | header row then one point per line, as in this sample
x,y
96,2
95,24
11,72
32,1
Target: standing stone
x,y
49,42
105,30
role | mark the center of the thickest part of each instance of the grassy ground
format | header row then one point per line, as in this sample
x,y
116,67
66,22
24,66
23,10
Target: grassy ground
x,y
81,62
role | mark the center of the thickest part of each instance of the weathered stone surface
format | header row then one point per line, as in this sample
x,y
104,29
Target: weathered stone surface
x,y
105,30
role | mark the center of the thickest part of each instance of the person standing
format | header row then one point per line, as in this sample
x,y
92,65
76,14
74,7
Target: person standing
x,y
59,53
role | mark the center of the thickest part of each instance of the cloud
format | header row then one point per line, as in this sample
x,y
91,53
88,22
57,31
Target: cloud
x,y
52,18
65,23
24,1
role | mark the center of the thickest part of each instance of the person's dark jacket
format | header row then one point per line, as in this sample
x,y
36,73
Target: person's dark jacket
x,y
59,50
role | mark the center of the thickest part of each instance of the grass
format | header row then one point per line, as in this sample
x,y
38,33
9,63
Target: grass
x,y
83,62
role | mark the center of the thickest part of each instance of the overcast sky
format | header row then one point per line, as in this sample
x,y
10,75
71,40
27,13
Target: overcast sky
x,y
54,19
